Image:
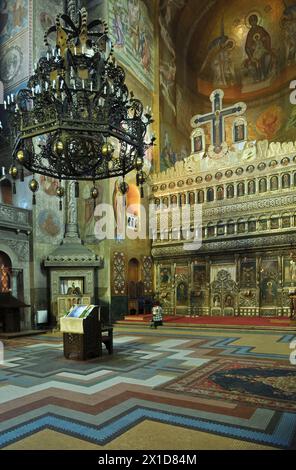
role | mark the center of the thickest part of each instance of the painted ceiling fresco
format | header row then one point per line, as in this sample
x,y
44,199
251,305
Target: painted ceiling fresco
x,y
248,48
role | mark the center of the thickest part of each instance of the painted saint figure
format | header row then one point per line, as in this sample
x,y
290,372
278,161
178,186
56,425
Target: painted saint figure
x,y
239,132
261,58
182,293
292,270
216,301
197,143
164,276
251,187
118,29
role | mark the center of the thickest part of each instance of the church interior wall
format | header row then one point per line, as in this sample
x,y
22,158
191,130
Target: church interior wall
x,y
185,75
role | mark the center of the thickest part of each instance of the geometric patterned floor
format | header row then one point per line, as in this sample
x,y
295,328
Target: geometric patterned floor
x,y
127,401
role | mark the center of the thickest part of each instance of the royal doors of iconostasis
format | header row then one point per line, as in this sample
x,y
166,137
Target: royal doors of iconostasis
x,y
224,294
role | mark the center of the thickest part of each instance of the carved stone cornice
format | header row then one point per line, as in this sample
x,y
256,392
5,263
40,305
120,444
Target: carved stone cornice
x,y
73,255
265,152
14,217
256,204
237,244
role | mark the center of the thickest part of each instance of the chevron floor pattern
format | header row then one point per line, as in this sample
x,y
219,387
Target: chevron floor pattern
x,y
121,401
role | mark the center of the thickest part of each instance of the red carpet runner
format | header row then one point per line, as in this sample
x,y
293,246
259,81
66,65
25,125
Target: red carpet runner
x,y
211,320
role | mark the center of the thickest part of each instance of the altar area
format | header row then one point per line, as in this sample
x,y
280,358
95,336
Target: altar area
x,y
245,195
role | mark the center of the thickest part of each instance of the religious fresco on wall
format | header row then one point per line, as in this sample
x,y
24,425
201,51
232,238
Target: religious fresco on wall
x,y
167,75
250,50
131,32
270,121
15,61
167,66
44,14
168,153
49,223
118,203
49,219
49,185
88,219
126,208
219,60
13,18
261,61
15,51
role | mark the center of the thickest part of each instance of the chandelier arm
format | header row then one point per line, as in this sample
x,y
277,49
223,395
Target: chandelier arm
x,y
94,23
52,29
69,22
71,7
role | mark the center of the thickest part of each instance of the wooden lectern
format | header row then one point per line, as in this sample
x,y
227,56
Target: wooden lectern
x,y
84,334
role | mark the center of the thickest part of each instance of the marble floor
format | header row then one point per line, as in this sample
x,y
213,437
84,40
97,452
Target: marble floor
x,y
170,388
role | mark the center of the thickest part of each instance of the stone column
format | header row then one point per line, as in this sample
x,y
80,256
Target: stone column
x,y
71,229
256,186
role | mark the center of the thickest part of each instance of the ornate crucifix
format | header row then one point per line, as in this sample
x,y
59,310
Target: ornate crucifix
x,y
217,117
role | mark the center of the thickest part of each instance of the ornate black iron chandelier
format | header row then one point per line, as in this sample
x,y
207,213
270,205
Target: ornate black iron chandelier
x,y
77,120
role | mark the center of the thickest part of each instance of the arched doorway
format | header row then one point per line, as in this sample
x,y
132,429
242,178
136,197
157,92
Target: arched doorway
x,y
5,272
6,192
135,287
